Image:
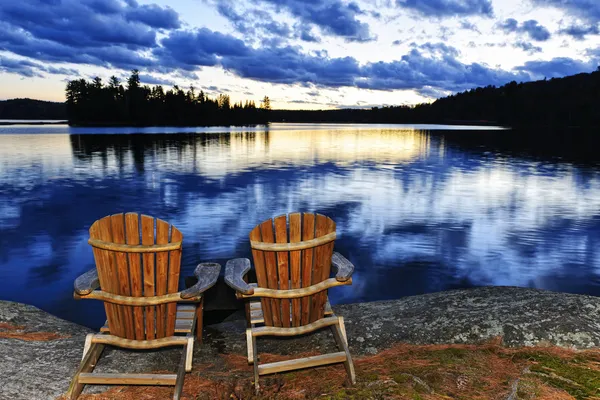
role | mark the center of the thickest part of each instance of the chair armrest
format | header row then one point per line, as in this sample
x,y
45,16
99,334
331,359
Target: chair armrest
x,y
207,274
343,267
235,270
87,283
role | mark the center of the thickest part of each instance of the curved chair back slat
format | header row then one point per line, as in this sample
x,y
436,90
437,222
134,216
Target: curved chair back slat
x,y
137,256
292,252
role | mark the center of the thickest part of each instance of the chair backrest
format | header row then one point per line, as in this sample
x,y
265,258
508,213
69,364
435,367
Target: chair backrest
x,y
137,256
293,269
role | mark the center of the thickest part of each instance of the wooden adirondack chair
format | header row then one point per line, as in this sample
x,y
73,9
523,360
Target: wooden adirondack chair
x,y
139,283
293,265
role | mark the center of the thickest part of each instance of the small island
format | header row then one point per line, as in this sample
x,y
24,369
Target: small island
x,y
550,103
95,104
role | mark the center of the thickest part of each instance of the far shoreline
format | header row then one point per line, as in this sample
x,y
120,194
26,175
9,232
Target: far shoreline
x,y
453,124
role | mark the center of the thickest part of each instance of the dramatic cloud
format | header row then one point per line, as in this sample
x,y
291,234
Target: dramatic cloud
x,y
448,8
30,69
334,17
430,67
154,16
125,35
579,32
532,28
433,72
191,49
305,33
153,80
557,67
97,32
585,9
469,26
85,23
24,44
528,47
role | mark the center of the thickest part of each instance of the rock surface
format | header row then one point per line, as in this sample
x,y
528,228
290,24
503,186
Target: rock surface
x,y
522,317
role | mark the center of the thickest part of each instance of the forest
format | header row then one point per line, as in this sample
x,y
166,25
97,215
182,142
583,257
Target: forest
x,y
93,103
32,109
571,101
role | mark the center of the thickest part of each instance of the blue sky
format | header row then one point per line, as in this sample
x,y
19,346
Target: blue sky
x,y
301,53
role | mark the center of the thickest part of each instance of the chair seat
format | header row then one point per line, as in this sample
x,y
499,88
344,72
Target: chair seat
x,y
183,322
256,312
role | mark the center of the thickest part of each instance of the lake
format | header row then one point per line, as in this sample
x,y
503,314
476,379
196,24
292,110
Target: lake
x,y
418,209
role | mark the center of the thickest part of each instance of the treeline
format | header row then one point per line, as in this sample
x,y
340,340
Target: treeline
x,y
32,109
94,103
557,102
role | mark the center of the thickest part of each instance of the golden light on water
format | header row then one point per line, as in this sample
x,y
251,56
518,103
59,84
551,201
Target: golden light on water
x,y
47,151
305,148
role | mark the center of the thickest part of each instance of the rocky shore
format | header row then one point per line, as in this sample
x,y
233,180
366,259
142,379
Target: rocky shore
x,y
40,352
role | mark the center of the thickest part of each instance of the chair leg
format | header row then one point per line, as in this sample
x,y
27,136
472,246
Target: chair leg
x,y
181,373
87,365
255,357
249,342
339,333
88,343
189,354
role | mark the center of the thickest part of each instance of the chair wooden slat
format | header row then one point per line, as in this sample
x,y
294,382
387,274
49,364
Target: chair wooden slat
x,y
138,258
266,230
261,273
294,269
295,266
122,266
322,266
149,281
308,232
292,257
283,268
173,280
101,229
132,230
257,317
162,269
183,324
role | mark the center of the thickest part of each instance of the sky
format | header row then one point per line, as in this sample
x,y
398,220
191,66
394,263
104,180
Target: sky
x,y
310,54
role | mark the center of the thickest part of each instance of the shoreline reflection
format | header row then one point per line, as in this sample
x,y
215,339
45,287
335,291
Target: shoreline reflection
x,y
416,213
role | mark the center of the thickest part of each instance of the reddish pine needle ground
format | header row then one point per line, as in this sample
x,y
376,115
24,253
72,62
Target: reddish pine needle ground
x,y
433,372
10,331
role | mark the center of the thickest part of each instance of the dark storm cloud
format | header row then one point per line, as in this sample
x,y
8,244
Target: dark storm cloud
x,y
586,9
191,49
448,8
29,68
527,46
89,23
557,67
532,28
580,31
469,26
96,39
153,80
334,17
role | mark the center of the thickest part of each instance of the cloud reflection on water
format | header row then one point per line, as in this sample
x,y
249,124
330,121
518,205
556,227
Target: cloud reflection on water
x,y
414,212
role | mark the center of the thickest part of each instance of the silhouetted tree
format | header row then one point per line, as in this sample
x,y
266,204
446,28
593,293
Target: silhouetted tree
x,y
265,103
93,103
556,102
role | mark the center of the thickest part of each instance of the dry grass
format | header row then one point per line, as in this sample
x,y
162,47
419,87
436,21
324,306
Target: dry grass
x,y
10,331
413,372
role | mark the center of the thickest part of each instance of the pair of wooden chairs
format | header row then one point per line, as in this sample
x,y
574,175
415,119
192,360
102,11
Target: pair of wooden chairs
x,y
137,277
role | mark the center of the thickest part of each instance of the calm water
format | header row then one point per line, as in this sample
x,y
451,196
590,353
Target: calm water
x,y
416,210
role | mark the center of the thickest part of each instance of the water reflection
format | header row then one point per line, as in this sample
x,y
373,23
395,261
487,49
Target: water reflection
x,y
415,212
